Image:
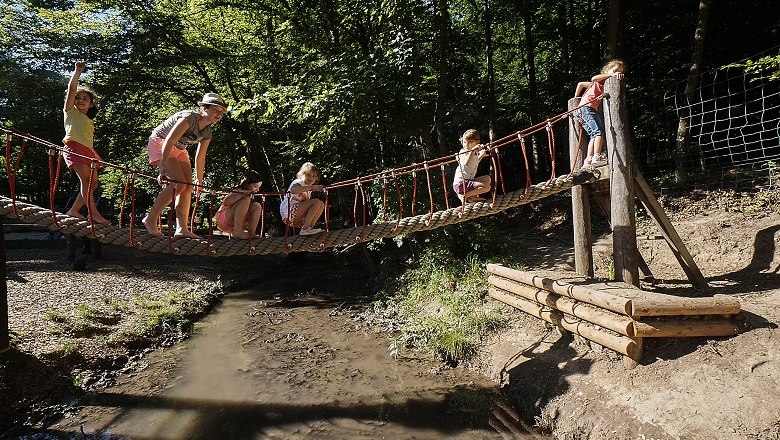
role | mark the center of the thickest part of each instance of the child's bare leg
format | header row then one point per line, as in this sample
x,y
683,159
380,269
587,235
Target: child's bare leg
x,y
184,201
313,213
481,186
240,210
153,217
254,218
163,199
75,209
85,196
598,144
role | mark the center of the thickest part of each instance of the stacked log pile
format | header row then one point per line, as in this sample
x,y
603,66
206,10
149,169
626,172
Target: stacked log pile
x,y
614,317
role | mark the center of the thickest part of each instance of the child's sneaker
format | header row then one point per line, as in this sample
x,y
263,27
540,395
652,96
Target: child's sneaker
x,y
310,231
599,160
586,162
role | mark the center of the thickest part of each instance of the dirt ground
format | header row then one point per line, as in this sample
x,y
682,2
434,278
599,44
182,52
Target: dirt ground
x,y
692,388
696,388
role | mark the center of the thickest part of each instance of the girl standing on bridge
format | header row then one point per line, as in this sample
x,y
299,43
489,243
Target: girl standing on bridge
x,y
79,153
298,208
167,148
238,211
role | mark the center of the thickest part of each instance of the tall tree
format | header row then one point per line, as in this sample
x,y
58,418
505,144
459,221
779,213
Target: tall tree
x,y
615,19
683,129
443,25
490,76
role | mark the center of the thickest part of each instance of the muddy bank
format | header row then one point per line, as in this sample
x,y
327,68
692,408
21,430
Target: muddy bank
x,y
685,388
289,359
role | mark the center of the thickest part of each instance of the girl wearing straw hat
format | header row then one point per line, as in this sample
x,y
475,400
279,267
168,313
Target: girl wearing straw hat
x,y
167,148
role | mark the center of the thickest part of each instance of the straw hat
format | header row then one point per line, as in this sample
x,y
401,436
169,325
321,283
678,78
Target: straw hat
x,y
213,99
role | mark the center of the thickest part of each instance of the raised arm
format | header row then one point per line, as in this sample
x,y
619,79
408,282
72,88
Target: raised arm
x,y
73,84
581,87
601,77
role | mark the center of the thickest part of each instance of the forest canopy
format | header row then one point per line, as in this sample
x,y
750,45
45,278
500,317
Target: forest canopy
x,y
354,86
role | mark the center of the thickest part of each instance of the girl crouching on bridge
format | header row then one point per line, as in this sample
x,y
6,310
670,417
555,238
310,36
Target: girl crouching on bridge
x,y
298,208
466,184
238,215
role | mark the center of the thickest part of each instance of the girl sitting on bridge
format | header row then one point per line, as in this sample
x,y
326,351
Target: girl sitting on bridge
x,y
238,215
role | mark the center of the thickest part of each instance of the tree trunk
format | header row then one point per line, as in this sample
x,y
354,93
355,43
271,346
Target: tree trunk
x,y
565,41
491,86
615,20
683,133
530,51
443,20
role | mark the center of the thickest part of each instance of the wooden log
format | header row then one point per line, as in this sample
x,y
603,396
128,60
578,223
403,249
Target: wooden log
x,y
618,343
617,323
597,298
603,202
685,328
580,201
676,245
531,307
621,163
630,363
677,306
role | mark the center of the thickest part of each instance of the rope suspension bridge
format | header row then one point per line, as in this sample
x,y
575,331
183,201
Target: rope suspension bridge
x,y
383,228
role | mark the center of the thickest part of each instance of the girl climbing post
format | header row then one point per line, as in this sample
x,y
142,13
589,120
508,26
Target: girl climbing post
x,y
238,215
167,148
79,153
591,120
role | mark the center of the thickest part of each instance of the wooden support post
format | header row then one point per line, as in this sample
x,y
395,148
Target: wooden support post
x,y
96,249
5,335
580,201
71,247
674,241
621,164
603,202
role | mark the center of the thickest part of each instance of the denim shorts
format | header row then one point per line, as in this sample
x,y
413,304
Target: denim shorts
x,y
592,122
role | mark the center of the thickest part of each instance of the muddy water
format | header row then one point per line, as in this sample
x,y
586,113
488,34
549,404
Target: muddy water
x,y
274,363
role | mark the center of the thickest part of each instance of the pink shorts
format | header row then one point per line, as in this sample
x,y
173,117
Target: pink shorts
x,y
222,222
154,146
458,186
77,154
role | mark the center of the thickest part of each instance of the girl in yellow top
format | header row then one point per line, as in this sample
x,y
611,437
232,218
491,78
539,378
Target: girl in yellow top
x,y
79,110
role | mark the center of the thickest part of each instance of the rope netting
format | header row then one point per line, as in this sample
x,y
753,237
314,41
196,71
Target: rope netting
x,y
383,227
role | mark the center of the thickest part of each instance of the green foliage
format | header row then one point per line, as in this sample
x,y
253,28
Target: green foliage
x,y
440,305
766,67
170,312
54,316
